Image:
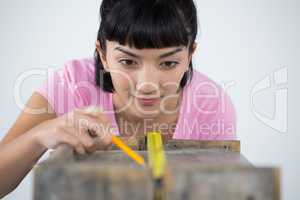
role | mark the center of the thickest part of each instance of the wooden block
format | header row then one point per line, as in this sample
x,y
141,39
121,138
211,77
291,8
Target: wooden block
x,y
174,157
139,143
218,182
92,181
195,170
205,157
228,145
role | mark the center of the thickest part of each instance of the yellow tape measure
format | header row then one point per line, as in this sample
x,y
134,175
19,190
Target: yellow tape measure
x,y
156,154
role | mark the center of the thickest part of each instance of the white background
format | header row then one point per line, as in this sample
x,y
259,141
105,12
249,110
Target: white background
x,y
241,41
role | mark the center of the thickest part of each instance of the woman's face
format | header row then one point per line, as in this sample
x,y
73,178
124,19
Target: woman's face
x,y
146,81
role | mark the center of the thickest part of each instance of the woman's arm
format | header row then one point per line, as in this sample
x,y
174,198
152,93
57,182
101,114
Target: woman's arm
x,y
19,150
32,134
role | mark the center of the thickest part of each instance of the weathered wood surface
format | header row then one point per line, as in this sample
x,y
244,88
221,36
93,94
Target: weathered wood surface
x,y
139,143
174,157
229,145
92,181
218,182
195,170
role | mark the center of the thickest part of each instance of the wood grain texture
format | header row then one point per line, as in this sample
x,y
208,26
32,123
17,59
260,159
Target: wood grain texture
x,y
219,182
139,143
195,170
92,181
174,157
229,145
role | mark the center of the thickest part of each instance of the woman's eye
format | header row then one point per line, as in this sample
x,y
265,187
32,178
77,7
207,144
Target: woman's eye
x,y
169,64
127,62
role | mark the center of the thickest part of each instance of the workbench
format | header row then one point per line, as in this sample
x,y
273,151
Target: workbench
x,y
206,170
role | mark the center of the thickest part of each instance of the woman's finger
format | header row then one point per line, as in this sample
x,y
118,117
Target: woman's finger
x,y
82,135
103,143
67,138
97,127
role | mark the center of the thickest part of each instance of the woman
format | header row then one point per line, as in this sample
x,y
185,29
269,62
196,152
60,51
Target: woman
x,y
140,79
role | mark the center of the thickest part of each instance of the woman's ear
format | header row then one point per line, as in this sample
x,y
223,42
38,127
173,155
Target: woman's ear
x,y
192,53
194,47
102,55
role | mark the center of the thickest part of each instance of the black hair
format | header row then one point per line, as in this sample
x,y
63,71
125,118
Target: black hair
x,y
145,24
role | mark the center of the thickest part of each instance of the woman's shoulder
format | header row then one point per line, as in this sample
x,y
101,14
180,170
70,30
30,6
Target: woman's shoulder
x,y
208,106
72,86
208,91
202,82
205,87
78,70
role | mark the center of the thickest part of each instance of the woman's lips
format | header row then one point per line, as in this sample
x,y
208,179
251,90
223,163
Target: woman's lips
x,y
147,101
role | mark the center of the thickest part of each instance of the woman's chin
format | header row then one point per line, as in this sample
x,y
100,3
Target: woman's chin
x,y
146,113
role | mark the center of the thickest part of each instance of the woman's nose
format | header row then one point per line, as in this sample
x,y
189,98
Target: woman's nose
x,y
148,82
147,88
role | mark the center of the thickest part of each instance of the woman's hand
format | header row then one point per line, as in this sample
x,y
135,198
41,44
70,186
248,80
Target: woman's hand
x,y
86,130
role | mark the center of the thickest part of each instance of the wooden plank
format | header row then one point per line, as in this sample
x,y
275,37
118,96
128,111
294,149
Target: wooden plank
x,y
228,145
174,157
93,181
206,157
218,182
277,183
139,143
195,170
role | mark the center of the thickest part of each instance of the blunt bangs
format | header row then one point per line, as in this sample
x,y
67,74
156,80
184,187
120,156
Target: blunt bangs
x,y
146,24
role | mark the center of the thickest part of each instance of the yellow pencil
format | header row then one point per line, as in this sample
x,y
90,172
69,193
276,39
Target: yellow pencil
x,y
132,154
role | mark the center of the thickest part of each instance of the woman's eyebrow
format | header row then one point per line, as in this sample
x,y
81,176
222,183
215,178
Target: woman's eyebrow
x,y
137,56
170,53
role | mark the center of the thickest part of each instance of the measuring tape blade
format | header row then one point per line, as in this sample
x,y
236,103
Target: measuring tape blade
x,y
156,154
